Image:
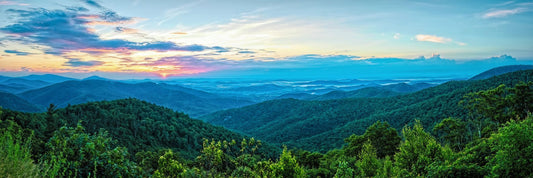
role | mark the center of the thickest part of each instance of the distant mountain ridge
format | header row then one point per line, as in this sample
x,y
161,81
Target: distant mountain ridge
x,y
190,101
18,85
374,92
501,70
379,91
50,78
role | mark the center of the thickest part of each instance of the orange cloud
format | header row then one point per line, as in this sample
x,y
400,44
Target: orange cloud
x,y
179,33
127,30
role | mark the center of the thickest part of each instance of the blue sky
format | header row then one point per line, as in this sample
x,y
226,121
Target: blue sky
x,y
140,38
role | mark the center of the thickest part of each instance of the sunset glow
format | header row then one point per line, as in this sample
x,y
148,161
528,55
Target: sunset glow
x,y
205,38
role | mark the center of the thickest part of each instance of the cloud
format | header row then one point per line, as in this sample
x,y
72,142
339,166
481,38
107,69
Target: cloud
x,y
18,53
396,36
177,11
65,30
126,30
503,12
246,52
73,62
436,39
432,38
179,33
8,3
92,3
25,69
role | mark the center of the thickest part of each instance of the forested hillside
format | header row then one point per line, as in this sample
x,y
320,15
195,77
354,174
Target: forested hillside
x,y
501,70
33,145
321,125
11,101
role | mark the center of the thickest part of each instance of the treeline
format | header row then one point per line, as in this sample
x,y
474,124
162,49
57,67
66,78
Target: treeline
x,y
494,140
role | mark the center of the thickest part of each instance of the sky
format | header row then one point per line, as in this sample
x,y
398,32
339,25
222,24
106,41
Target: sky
x,y
137,39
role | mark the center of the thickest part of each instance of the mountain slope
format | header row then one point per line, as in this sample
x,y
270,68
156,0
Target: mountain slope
x,y
22,84
13,102
321,125
136,125
501,70
3,78
190,101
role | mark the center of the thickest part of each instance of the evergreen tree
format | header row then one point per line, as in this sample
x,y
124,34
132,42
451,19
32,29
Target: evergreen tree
x,y
287,166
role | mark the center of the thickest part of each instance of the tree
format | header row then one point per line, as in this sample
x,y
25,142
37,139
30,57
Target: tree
x,y
52,121
382,137
513,147
502,103
168,166
212,155
418,151
368,162
387,169
15,154
453,131
73,153
344,170
287,166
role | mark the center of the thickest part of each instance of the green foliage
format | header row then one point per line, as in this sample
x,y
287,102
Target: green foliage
x,y
212,156
168,166
513,147
344,170
321,125
73,153
243,171
368,162
502,103
139,125
15,155
287,166
387,169
453,131
382,137
418,151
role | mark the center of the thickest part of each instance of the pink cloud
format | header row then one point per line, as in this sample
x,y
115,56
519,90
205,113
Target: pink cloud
x,y
8,3
432,38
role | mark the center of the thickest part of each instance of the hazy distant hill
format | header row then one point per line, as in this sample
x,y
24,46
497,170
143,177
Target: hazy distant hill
x,y
501,70
2,78
258,88
321,125
300,96
50,78
183,99
94,77
367,92
12,89
370,92
13,102
17,85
